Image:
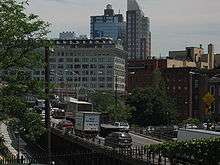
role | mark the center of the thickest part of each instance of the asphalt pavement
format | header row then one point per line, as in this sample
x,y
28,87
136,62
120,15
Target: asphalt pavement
x,y
141,141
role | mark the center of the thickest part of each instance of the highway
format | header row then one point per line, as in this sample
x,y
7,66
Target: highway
x,y
141,141
136,139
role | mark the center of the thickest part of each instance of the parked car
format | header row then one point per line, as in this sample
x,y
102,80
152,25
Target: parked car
x,y
122,125
118,140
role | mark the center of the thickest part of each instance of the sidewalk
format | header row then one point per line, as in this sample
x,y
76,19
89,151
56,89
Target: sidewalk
x,y
8,142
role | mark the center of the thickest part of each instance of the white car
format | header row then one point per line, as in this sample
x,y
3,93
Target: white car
x,y
122,125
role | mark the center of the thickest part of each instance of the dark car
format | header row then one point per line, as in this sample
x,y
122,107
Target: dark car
x,y
118,140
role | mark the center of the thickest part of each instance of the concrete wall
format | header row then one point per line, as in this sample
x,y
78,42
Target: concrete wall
x,y
189,134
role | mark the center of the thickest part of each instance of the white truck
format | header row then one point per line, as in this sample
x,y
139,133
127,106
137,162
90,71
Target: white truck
x,y
87,124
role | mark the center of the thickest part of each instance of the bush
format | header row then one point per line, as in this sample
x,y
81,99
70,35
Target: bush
x,y
205,151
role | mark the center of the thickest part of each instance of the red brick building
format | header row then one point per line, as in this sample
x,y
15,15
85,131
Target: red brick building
x,y
139,72
186,85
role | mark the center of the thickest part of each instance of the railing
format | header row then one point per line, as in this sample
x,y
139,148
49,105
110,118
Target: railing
x,y
159,133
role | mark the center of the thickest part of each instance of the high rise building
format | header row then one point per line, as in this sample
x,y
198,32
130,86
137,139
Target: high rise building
x,y
138,32
89,64
108,25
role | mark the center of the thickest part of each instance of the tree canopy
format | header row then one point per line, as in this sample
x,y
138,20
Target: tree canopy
x,y
21,35
105,102
152,105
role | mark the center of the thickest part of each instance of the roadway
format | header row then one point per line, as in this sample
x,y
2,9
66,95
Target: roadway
x,y
137,140
141,141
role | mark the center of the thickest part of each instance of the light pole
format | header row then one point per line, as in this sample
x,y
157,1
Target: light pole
x,y
47,102
116,94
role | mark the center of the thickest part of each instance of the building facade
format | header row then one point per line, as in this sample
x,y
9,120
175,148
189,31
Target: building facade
x,y
188,86
139,72
109,25
196,55
86,64
138,32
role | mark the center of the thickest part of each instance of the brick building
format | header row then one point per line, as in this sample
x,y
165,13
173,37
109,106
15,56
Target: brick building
x,y
188,86
139,71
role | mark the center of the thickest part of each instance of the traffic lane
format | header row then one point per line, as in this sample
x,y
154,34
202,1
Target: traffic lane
x,y
141,141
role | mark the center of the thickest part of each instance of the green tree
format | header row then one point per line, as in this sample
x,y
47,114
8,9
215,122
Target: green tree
x,y
21,35
152,105
105,102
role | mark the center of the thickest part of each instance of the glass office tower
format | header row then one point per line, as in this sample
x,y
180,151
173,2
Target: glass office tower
x,y
108,25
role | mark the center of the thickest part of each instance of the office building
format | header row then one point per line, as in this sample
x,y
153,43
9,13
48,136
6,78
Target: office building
x,y
138,32
87,64
109,25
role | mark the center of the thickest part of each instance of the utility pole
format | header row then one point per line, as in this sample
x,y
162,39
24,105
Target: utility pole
x,y
47,102
116,94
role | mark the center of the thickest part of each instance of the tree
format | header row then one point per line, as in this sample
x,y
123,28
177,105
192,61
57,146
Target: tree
x,y
152,105
105,102
21,35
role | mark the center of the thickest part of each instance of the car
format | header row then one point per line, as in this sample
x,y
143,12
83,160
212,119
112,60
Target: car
x,y
122,125
191,126
118,140
66,126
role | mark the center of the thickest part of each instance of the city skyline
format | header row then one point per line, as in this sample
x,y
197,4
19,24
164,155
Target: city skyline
x,y
169,31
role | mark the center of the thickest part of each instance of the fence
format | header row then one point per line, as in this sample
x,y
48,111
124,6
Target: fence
x,y
123,156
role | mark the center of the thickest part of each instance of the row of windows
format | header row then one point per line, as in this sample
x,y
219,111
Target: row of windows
x,y
85,59
78,66
83,79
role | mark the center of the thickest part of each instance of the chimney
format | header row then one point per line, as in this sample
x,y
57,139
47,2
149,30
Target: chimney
x,y
211,56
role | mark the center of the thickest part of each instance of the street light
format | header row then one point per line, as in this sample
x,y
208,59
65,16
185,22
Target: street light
x,y
74,73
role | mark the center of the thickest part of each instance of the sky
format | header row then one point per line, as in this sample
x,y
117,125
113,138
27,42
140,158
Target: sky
x,y
175,24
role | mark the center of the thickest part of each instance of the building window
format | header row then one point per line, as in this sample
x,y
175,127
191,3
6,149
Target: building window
x,y
85,60
101,85
93,85
85,72
101,60
101,66
69,60
37,72
61,60
109,79
109,66
77,66
93,79
69,66
76,60
85,66
109,85
84,79
92,72
212,90
60,66
92,66
219,91
69,79
52,66
93,60
196,83
101,79
109,72
52,60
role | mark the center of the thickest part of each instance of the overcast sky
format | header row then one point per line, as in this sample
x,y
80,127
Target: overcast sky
x,y
175,24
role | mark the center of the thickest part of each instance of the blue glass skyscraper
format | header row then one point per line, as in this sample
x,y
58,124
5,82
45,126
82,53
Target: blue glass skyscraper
x,y
108,25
